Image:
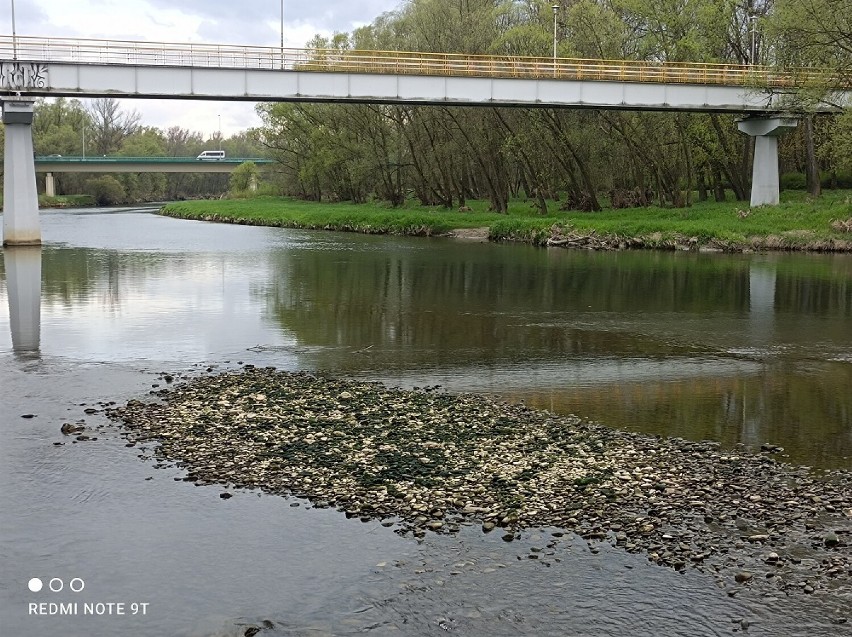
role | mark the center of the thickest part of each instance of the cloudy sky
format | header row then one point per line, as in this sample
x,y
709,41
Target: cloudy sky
x,y
256,22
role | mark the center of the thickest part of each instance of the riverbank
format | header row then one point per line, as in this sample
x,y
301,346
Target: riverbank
x,y
63,201
428,461
798,223
66,201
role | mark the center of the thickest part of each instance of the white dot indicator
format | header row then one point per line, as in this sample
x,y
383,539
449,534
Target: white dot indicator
x,y
35,584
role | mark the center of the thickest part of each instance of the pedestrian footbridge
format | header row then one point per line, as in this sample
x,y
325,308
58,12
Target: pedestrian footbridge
x,y
33,67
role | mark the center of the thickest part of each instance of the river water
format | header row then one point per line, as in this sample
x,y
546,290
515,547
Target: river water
x,y
737,348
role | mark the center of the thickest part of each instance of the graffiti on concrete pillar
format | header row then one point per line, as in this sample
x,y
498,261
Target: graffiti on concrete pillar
x,y
22,75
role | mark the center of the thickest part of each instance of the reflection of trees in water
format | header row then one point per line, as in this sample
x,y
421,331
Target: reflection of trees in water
x,y
499,302
809,415
112,291
464,307
73,275
801,293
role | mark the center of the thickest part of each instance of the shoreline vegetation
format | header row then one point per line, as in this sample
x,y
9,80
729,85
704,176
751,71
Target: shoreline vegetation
x,y
424,460
798,223
66,201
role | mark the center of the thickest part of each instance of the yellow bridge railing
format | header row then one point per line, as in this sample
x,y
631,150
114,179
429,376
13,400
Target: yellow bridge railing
x,y
46,50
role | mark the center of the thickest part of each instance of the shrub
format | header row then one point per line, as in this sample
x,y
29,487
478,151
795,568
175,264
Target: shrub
x,y
836,179
793,181
106,190
243,176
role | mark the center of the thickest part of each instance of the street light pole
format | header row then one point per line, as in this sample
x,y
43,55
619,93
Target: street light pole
x,y
753,52
14,35
555,8
220,131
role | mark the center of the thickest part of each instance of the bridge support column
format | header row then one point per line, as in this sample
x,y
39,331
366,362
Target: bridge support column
x,y
23,283
49,185
764,172
20,199
253,183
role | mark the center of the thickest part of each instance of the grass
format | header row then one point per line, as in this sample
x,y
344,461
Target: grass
x,y
797,223
367,218
66,201
63,201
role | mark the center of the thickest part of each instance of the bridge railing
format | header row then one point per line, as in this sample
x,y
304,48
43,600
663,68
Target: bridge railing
x,y
34,49
114,159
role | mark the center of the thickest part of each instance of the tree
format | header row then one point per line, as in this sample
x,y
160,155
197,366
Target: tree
x,y
244,176
442,156
816,33
106,190
110,126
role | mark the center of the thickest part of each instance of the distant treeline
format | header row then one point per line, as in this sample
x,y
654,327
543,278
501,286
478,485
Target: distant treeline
x,y
100,127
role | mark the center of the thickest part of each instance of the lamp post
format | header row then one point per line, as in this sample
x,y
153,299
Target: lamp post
x,y
753,50
555,8
14,35
220,131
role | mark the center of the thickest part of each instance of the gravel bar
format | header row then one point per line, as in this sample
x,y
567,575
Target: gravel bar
x,y
429,461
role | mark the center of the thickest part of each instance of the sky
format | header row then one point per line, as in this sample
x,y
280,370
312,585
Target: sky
x,y
251,22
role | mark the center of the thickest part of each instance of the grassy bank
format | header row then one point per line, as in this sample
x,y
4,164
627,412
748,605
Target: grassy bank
x,y
66,201
62,201
367,218
799,223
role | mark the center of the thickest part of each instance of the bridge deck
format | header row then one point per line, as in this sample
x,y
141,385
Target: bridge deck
x,y
404,63
73,164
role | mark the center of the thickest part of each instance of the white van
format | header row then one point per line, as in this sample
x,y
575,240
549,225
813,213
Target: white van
x,y
212,155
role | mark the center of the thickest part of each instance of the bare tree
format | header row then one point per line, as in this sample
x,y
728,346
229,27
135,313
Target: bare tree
x,y
110,126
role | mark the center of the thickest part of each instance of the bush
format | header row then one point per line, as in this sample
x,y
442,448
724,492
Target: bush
x,y
243,177
793,181
838,179
106,190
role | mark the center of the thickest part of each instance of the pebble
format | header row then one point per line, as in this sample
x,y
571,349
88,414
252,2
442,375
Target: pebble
x,y
431,461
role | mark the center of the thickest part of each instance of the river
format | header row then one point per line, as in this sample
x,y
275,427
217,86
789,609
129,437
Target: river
x,y
743,349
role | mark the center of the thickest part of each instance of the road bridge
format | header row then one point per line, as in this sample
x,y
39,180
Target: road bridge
x,y
33,67
51,164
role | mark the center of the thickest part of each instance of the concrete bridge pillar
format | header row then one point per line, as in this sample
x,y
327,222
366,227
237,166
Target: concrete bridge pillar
x,y
23,286
253,183
764,172
49,185
20,199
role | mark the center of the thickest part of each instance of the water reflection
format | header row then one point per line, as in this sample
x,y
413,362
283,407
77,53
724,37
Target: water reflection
x,y
743,348
23,285
739,348
761,289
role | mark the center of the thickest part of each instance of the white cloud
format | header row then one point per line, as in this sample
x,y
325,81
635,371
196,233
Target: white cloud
x,y
255,22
